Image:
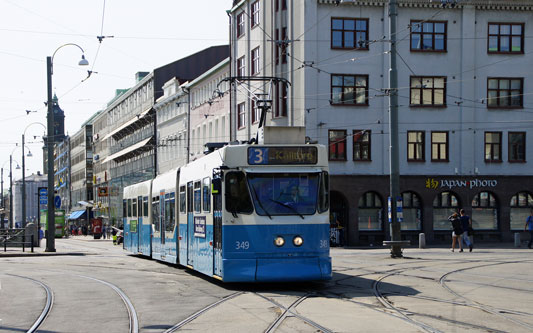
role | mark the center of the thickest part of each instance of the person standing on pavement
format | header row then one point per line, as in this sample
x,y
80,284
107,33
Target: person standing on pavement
x,y
457,231
529,226
466,224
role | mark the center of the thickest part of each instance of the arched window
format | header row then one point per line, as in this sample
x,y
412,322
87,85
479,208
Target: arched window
x,y
485,211
521,206
370,212
412,213
444,204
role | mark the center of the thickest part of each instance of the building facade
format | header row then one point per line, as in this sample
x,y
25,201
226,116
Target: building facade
x,y
33,183
464,127
131,125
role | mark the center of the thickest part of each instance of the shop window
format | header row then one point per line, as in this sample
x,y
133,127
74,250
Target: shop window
x,y
370,212
485,211
444,204
412,212
521,207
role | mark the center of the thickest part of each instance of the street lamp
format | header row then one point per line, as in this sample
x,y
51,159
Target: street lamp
x,y
50,221
10,188
24,174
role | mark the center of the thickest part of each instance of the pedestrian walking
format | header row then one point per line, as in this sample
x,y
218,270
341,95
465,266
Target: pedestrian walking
x,y
466,224
529,226
103,231
457,231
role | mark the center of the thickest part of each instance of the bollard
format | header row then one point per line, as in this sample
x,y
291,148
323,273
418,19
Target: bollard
x,y
516,239
421,240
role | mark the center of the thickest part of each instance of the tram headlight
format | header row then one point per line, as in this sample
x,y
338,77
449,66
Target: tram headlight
x,y
279,241
297,241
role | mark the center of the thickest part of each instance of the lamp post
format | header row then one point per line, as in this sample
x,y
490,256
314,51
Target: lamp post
x,y
10,188
50,221
24,174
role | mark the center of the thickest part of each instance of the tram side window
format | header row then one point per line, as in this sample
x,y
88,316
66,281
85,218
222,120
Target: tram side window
x,y
206,192
124,208
155,213
169,211
323,198
237,196
134,207
182,199
145,206
197,197
129,207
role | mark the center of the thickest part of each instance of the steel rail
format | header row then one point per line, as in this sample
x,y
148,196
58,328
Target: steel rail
x,y
133,319
199,313
47,307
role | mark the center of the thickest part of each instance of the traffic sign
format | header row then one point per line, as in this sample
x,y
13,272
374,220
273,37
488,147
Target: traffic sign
x,y
57,201
43,200
43,191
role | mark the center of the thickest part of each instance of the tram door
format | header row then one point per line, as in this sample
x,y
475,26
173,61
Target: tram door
x,y
217,223
135,223
190,223
162,217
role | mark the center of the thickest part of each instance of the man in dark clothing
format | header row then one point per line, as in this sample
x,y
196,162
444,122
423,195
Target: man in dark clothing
x,y
466,224
457,231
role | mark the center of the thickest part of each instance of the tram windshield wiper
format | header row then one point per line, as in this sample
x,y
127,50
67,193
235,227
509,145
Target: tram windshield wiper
x,y
288,206
259,202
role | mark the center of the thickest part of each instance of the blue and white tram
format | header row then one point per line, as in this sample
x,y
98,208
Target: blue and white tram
x,y
135,212
242,213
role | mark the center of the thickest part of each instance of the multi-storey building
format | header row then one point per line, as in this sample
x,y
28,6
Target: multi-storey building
x,y
463,102
81,171
131,135
100,169
62,175
192,114
33,183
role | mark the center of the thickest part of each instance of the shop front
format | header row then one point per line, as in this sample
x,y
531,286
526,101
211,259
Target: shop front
x,y
497,205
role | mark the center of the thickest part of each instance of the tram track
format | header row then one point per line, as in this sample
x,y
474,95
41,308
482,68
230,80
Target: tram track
x,y
288,312
48,304
487,308
132,314
202,311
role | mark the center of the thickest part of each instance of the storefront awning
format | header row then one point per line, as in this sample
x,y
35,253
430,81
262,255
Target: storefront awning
x,y
76,214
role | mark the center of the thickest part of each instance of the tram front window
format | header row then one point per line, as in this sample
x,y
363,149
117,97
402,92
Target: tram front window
x,y
277,194
237,195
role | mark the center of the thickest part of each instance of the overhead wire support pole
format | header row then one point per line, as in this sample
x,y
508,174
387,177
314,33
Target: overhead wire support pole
x,y
395,232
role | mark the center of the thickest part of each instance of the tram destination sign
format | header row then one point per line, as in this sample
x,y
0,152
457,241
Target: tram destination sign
x,y
282,155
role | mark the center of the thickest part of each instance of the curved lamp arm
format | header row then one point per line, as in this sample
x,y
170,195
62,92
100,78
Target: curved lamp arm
x,y
83,61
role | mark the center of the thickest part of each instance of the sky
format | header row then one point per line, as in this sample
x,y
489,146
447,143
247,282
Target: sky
x,y
145,35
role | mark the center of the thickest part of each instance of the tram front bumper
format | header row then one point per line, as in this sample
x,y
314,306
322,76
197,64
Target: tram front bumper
x,y
277,269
